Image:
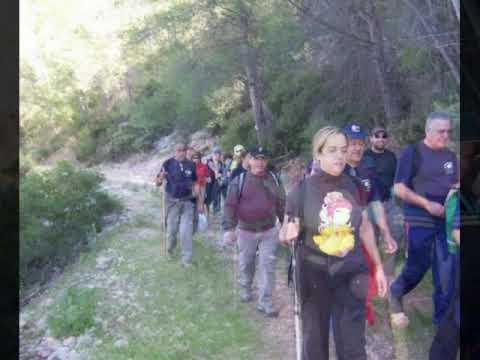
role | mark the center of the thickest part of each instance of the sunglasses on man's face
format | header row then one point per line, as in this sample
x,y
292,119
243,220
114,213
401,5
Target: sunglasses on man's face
x,y
381,136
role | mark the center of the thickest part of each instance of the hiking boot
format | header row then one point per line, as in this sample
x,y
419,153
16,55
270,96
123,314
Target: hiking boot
x,y
245,295
268,310
398,318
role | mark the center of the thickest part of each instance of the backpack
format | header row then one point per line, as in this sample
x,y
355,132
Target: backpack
x,y
241,182
450,207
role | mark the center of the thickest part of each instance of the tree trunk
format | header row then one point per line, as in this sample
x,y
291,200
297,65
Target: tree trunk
x,y
391,106
262,115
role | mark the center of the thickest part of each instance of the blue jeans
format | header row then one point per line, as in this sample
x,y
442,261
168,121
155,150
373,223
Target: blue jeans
x,y
446,342
427,247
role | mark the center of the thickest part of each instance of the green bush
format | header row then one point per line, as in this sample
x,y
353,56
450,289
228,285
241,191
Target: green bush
x,y
73,312
86,145
57,211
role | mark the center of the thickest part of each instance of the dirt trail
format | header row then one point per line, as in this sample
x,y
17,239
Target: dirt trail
x,y
279,332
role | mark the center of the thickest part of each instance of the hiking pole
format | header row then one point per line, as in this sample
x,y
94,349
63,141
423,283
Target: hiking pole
x,y
296,306
164,221
235,259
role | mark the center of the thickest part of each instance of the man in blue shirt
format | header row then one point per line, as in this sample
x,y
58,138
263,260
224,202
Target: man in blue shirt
x,y
180,200
426,171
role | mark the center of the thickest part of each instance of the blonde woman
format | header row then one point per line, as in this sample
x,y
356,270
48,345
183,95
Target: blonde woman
x,y
326,214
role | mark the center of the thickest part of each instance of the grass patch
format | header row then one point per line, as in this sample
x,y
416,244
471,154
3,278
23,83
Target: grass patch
x,y
176,313
73,313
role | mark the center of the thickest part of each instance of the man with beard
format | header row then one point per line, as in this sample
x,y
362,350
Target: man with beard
x,y
384,162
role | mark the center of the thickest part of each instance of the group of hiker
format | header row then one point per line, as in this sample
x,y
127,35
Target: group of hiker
x,y
331,213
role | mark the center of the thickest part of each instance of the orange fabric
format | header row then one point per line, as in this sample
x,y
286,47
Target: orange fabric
x,y
372,288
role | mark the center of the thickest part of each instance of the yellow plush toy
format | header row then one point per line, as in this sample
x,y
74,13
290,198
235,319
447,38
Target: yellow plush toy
x,y
335,240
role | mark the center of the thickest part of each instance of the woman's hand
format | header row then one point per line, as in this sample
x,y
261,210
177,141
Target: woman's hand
x,y
381,281
289,231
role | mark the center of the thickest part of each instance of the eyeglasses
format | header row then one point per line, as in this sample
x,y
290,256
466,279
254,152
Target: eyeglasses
x,y
444,131
181,149
381,136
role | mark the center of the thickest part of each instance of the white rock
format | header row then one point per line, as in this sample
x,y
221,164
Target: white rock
x,y
60,354
69,342
48,301
120,343
44,352
42,323
22,322
103,262
51,342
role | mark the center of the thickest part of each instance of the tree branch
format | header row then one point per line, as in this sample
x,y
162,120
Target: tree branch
x,y
316,19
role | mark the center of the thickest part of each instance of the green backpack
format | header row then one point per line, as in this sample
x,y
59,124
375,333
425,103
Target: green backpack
x,y
450,207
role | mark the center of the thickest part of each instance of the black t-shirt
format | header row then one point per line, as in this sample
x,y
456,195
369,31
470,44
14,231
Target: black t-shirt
x,y
366,176
385,165
332,210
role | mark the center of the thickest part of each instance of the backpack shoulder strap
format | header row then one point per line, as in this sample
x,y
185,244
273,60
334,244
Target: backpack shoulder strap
x,y
416,159
275,178
241,184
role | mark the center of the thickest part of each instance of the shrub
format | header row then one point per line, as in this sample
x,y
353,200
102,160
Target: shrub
x,y
73,312
57,211
86,145
240,130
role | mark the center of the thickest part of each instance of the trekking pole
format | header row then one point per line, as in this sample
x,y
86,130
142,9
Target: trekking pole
x,y
235,259
164,222
296,306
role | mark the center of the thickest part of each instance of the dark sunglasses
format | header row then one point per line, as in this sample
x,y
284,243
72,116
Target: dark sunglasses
x,y
381,135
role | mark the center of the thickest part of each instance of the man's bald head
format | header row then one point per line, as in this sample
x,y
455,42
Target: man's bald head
x,y
180,151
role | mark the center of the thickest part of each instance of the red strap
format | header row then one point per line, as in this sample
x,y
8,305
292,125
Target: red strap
x,y
372,288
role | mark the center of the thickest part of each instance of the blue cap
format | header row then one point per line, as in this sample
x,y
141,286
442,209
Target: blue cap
x,y
354,131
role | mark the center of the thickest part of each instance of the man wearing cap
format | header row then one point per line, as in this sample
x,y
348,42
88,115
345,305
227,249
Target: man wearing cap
x,y
385,163
255,200
180,200
425,174
364,171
